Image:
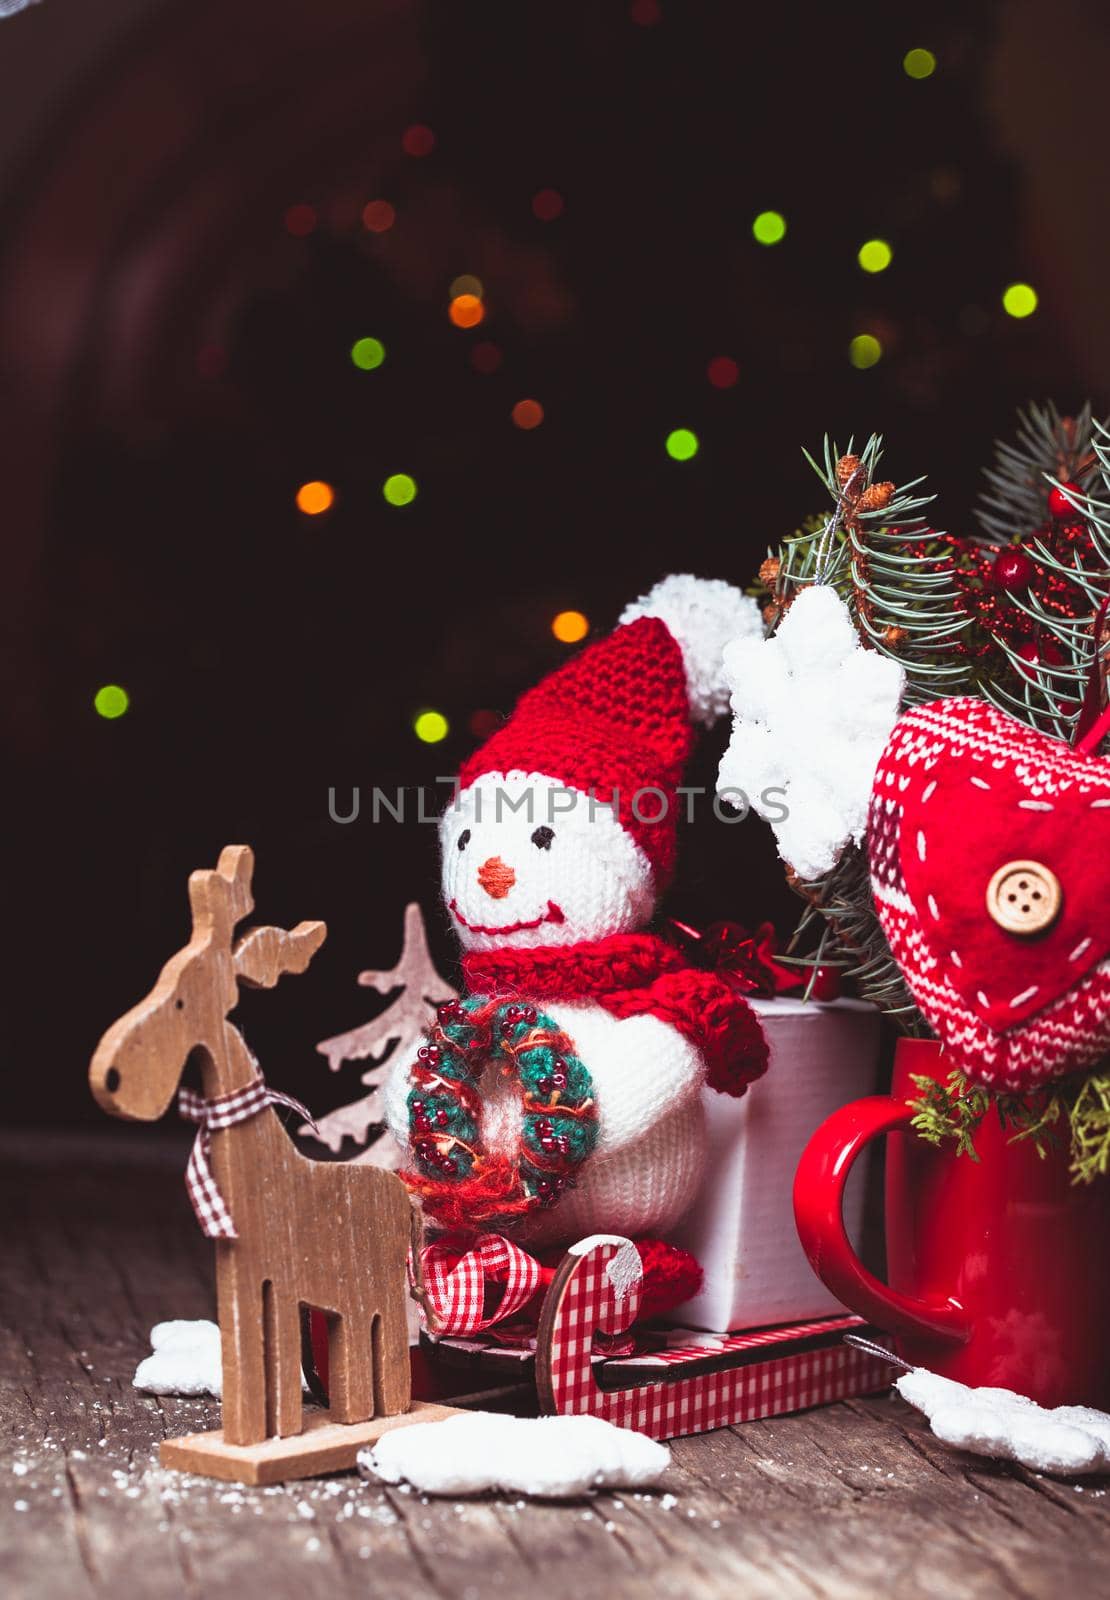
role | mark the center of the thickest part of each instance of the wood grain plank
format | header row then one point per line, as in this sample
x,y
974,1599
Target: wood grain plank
x,y
842,1503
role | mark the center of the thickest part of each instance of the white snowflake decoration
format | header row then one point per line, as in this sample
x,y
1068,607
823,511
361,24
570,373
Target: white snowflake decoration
x,y
185,1360
548,1458
1000,1423
813,710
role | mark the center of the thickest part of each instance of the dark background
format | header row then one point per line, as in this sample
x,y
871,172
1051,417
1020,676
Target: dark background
x,y
175,363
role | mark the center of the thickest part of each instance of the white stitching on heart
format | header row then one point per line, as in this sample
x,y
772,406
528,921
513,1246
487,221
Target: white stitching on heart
x,y
980,783
1084,944
1034,805
928,789
1095,804
982,999
1026,994
920,845
954,957
934,910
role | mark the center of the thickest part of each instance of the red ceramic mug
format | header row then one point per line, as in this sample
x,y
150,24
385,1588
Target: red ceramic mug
x,y
997,1268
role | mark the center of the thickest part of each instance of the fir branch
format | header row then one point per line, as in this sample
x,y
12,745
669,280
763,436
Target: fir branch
x,y
1049,447
1071,454
852,938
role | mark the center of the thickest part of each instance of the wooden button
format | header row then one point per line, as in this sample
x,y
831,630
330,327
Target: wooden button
x,y
1024,897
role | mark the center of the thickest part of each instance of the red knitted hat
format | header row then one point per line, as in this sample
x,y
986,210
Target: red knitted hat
x,y
615,721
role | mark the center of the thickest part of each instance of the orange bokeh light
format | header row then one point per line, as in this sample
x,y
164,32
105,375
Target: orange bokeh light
x,y
466,311
527,414
570,626
378,216
315,497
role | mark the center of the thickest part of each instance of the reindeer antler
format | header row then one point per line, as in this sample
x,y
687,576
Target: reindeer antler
x,y
222,897
263,954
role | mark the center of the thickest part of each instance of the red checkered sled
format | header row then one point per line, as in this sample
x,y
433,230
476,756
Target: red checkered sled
x,y
594,1291
222,1111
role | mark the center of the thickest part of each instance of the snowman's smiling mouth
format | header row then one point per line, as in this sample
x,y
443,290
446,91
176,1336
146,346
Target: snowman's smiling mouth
x,y
552,914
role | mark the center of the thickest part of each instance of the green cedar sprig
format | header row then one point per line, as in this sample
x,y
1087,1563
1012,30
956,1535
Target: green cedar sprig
x,y
954,1110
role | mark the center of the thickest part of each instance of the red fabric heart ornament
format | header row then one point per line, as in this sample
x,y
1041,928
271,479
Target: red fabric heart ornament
x,y
962,792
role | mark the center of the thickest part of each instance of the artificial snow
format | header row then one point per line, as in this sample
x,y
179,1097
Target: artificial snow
x,y
701,615
548,1458
623,1270
998,1422
812,713
185,1360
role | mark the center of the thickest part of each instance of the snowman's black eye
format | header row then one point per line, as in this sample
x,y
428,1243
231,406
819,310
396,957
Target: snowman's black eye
x,y
464,838
542,838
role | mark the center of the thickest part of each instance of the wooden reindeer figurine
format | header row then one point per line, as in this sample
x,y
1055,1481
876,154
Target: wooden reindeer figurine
x,y
290,1232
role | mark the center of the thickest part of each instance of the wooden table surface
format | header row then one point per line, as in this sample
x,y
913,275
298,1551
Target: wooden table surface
x,y
855,1499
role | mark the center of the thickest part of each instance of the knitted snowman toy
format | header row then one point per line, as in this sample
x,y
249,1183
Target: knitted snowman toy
x,y
561,1096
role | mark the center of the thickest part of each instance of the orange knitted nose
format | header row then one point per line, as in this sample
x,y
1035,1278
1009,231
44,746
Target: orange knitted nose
x,y
496,878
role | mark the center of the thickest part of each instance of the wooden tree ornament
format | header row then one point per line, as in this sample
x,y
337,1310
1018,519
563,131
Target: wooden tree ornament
x,y
333,1236
398,1030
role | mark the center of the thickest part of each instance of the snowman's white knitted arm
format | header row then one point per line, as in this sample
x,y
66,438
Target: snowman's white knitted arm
x,y
642,1070
395,1092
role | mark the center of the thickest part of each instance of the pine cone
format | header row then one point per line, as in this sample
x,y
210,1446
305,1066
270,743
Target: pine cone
x,y
846,469
877,497
769,572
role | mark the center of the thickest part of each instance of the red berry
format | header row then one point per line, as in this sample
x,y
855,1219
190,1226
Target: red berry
x,y
1040,653
826,984
1013,571
1058,503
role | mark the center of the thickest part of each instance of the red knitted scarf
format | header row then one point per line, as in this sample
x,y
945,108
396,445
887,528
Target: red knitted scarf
x,y
590,970
631,974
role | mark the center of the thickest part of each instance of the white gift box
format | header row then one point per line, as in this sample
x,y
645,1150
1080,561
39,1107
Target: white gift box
x,y
741,1226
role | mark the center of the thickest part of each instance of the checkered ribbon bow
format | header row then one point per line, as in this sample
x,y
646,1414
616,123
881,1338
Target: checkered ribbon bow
x,y
222,1111
455,1287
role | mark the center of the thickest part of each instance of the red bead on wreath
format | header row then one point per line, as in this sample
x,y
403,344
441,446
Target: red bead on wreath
x,y
460,1182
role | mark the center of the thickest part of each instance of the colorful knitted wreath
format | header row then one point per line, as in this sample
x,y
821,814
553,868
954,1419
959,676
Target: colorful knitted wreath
x,y
461,1183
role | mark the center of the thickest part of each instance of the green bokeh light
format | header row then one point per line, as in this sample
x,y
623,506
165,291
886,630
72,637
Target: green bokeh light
x,y
399,489
864,350
367,354
682,444
430,727
1019,300
875,255
919,63
769,227
111,701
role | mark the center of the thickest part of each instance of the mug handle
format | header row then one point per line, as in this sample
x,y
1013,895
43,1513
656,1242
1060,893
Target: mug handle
x,y
819,1213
